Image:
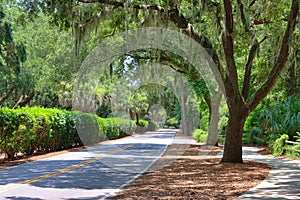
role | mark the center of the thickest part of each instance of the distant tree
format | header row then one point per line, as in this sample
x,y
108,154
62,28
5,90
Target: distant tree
x,y
12,56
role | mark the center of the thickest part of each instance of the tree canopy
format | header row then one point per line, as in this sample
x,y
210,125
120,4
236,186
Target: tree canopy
x,y
250,41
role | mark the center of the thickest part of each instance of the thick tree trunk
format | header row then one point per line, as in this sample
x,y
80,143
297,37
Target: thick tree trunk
x,y
234,135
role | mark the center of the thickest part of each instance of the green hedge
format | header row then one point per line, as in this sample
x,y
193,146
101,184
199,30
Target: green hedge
x,y
32,129
116,127
200,135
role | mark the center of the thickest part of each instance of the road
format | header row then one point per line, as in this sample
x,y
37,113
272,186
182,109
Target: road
x,y
93,173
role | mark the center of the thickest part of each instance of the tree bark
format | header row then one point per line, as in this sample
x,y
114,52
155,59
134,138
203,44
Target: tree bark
x,y
292,78
137,118
234,135
212,138
131,114
183,97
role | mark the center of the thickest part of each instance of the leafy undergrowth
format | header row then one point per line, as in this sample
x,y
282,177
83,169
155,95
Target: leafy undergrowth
x,y
196,177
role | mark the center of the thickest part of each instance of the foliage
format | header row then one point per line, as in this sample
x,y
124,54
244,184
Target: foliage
x,y
294,154
278,147
116,127
200,135
42,60
290,153
32,129
12,56
274,120
172,122
245,39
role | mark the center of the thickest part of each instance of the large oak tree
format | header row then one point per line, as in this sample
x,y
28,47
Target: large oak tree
x,y
241,28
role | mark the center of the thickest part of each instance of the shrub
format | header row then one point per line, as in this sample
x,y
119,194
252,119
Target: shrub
x,y
116,127
142,127
172,122
152,126
290,153
31,129
266,121
278,147
9,136
200,135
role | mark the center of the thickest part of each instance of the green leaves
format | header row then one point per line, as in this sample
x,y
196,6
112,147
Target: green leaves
x,y
276,120
31,129
278,146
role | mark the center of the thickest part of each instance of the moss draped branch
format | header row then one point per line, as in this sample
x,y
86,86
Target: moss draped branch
x,y
281,59
176,17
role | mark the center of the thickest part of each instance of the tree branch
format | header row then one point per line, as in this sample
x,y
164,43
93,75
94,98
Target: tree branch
x,y
243,17
3,99
281,59
27,100
227,38
252,3
248,70
266,21
176,17
189,30
123,5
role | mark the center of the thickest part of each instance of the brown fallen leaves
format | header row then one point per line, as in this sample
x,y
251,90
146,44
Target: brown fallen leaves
x,y
195,177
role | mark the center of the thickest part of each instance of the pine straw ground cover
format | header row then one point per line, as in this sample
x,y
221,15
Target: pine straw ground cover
x,y
195,176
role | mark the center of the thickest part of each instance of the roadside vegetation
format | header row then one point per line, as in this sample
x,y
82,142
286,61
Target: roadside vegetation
x,y
254,45
31,130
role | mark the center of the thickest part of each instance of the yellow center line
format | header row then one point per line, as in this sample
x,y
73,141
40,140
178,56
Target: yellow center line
x,y
64,170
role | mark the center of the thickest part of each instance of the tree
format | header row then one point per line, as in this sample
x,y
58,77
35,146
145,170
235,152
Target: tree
x,y
12,56
138,104
243,27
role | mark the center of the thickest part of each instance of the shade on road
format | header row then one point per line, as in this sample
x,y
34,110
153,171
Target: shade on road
x,y
93,173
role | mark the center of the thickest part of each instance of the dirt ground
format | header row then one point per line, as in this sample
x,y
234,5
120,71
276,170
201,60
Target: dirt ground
x,y
196,175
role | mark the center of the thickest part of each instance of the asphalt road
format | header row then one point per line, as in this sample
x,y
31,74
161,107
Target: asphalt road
x,y
94,173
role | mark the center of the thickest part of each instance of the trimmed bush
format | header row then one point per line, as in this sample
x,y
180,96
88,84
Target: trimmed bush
x,y
116,127
32,129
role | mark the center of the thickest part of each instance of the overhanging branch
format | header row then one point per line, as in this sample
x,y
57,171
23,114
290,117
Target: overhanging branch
x,y
123,5
281,59
175,16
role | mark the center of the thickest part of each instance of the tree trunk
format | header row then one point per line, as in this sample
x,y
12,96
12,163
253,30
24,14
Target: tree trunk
x,y
183,99
292,78
131,114
137,118
212,138
234,135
